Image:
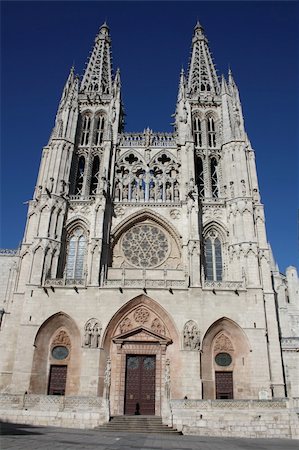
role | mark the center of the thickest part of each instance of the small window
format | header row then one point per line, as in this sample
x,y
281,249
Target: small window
x,y
99,130
211,132
197,133
85,130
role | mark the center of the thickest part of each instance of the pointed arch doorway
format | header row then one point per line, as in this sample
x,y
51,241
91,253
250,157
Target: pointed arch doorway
x,y
139,340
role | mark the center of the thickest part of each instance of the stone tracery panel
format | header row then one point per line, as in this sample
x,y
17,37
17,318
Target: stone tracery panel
x,y
137,181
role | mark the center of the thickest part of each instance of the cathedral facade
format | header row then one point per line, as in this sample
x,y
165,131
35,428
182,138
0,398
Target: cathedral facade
x,y
145,275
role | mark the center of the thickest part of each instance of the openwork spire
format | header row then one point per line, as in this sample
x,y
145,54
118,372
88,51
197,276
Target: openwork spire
x,y
97,77
202,78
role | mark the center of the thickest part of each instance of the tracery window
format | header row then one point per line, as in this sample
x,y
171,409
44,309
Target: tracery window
x,y
211,132
85,133
94,175
137,181
145,245
99,130
199,177
197,132
76,254
213,256
80,176
214,177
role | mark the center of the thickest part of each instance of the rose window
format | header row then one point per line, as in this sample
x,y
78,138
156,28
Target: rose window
x,y
145,246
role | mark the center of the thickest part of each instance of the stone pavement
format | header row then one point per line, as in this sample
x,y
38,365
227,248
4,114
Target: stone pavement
x,y
26,437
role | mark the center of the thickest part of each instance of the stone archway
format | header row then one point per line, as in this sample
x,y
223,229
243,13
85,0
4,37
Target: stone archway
x,y
61,331
226,356
143,329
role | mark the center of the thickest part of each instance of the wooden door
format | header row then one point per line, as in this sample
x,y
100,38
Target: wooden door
x,y
140,384
224,385
57,380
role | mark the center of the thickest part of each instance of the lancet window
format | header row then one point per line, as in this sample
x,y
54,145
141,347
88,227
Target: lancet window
x,y
199,177
211,132
94,175
76,251
214,178
99,128
213,256
197,132
85,133
80,176
138,182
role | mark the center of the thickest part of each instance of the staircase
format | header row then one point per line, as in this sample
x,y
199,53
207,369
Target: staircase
x,y
136,424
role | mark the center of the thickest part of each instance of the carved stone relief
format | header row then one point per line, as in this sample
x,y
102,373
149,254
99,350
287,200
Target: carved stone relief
x,y
191,336
142,316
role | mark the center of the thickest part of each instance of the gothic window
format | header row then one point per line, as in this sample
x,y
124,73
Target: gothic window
x,y
76,254
85,130
211,132
197,134
94,175
99,130
213,257
200,177
214,178
80,176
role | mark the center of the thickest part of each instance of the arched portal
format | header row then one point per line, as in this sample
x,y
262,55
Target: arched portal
x,y
225,362
140,339
56,359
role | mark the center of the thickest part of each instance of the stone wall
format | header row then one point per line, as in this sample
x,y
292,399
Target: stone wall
x,y
243,418
54,410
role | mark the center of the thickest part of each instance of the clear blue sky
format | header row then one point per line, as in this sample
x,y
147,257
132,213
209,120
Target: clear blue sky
x,y
150,43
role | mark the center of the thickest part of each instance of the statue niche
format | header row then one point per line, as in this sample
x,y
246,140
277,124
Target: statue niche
x,y
92,334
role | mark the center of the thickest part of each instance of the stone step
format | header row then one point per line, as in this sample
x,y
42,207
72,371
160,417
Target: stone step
x,y
137,424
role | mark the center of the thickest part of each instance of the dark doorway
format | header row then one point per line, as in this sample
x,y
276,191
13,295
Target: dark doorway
x,y
57,380
224,385
140,384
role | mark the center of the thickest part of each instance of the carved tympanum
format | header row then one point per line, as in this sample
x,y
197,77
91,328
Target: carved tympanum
x,y
223,343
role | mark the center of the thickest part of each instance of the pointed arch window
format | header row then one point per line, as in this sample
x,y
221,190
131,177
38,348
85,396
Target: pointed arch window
x,y
75,255
99,130
85,130
197,132
200,177
94,175
80,176
211,132
213,257
214,178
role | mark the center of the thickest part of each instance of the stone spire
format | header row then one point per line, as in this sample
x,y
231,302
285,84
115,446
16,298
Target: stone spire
x,y
202,77
65,121
97,77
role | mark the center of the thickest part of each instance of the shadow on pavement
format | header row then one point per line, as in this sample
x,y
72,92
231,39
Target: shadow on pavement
x,y
15,429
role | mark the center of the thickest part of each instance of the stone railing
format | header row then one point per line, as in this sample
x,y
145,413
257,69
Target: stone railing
x,y
138,278
57,282
84,198
223,285
228,404
147,139
9,252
